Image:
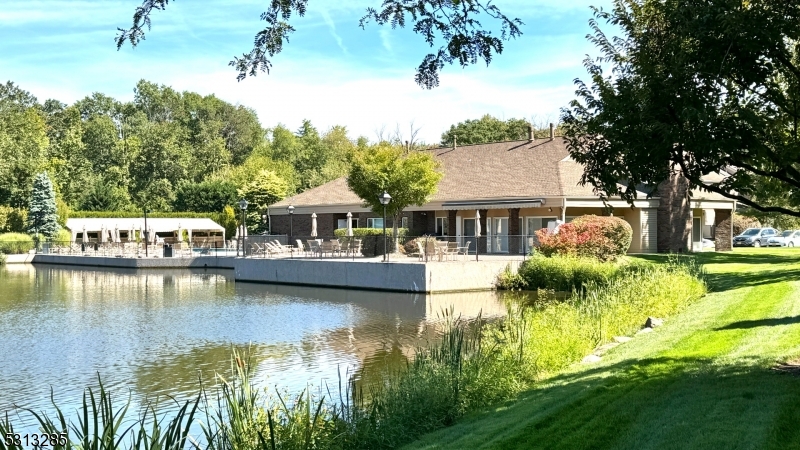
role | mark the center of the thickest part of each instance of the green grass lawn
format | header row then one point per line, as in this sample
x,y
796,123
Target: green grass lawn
x,y
703,380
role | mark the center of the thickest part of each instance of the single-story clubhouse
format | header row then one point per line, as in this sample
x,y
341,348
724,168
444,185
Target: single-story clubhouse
x,y
518,187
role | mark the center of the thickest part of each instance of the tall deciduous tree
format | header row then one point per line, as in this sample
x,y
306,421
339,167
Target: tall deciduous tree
x,y
23,148
265,189
42,212
486,129
699,87
411,179
458,23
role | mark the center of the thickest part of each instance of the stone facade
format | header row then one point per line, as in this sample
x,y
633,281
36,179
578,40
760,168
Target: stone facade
x,y
674,215
723,230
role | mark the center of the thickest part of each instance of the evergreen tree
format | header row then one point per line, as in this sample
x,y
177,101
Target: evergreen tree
x,y
42,217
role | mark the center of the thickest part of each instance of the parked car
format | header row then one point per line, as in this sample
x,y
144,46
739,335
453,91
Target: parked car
x,y
793,240
754,237
780,240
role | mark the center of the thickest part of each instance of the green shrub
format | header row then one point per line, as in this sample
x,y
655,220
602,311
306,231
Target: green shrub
x,y
13,243
604,238
564,272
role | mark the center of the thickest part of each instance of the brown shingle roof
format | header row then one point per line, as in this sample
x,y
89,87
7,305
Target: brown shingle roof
x,y
485,171
514,169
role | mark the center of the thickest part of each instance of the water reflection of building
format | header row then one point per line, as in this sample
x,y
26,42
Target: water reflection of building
x,y
146,284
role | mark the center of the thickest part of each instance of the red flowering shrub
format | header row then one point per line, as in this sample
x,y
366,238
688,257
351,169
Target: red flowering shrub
x,y
604,238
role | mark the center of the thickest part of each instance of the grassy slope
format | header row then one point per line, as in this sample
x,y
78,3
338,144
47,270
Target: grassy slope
x,y
703,380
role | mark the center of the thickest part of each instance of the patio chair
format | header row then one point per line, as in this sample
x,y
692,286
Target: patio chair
x,y
420,251
356,247
256,250
451,250
314,247
464,250
326,247
336,247
302,249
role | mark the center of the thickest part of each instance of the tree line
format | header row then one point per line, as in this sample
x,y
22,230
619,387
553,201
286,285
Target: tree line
x,y
177,151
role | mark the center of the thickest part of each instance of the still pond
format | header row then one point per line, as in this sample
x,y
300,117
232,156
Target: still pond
x,y
148,333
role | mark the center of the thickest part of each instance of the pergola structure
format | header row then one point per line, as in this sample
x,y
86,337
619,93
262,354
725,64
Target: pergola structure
x,y
168,230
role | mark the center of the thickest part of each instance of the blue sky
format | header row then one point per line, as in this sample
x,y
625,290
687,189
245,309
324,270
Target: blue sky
x,y
332,72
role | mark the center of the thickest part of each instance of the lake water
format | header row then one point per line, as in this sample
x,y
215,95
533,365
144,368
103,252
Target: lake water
x,y
156,332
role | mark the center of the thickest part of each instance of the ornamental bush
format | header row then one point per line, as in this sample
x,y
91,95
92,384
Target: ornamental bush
x,y
604,238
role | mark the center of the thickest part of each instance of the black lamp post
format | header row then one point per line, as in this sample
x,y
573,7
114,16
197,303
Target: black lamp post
x,y
385,198
243,207
146,232
290,210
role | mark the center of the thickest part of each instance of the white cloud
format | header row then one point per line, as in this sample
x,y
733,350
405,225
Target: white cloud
x,y
386,39
332,28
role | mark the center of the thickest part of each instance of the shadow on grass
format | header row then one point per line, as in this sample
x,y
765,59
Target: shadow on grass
x,y
731,280
756,256
771,322
654,403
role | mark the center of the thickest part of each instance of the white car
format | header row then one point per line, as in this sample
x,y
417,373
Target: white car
x,y
780,239
793,240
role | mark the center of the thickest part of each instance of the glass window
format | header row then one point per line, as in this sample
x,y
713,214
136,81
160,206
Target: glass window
x,y
442,228
375,222
404,222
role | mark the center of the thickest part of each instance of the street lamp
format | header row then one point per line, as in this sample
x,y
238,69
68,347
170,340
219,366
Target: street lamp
x,y
243,207
385,198
290,210
146,232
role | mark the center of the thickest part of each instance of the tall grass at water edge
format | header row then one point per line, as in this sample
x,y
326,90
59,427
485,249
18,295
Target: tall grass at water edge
x,y
12,243
472,365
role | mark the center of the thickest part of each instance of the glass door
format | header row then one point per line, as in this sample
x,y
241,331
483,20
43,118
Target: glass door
x,y
498,236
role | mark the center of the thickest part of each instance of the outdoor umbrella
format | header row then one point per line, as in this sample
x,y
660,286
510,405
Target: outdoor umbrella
x,y
189,232
180,233
131,235
83,239
349,224
313,224
103,234
116,234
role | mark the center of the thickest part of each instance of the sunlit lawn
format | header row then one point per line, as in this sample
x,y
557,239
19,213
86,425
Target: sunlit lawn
x,y
703,380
